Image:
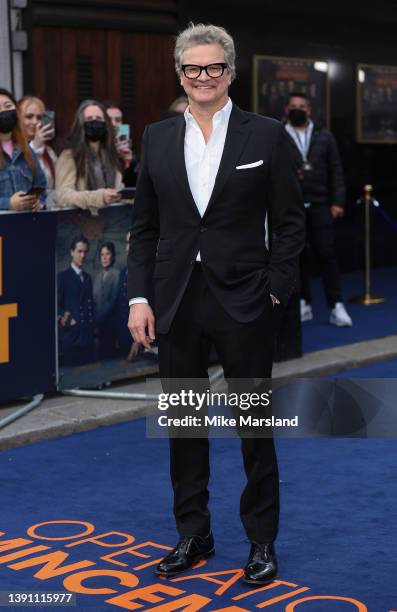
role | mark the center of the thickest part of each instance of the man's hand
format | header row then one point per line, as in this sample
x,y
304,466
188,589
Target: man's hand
x,y
140,321
337,211
21,201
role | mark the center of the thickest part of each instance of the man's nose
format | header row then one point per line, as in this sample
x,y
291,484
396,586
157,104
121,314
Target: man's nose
x,y
203,76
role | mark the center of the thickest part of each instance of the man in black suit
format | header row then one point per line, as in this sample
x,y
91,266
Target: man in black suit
x,y
76,308
208,180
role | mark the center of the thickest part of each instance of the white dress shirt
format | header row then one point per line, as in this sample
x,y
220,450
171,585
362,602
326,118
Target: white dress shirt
x,y
78,271
302,138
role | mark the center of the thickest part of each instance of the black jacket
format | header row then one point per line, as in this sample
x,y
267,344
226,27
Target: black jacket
x,y
324,183
168,230
75,301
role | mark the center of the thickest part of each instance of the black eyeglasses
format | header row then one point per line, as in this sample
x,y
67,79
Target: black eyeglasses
x,y
191,71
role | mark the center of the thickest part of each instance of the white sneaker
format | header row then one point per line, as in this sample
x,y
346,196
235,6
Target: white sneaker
x,y
306,311
339,316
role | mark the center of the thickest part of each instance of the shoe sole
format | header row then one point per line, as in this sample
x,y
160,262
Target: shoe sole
x,y
259,582
210,553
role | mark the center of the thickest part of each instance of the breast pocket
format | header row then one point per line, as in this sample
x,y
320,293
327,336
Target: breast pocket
x,y
24,179
246,179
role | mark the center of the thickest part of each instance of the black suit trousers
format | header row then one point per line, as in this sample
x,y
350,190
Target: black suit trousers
x,y
321,239
244,351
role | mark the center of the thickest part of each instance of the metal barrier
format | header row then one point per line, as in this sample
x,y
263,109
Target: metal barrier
x,y
367,298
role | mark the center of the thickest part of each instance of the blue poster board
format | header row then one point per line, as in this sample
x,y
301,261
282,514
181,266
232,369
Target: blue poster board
x,y
27,304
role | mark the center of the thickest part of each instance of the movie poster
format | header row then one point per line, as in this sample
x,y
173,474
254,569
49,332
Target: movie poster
x,y
95,346
376,103
276,77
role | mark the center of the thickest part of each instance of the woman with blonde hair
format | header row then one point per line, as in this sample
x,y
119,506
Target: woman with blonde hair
x,y
88,173
39,134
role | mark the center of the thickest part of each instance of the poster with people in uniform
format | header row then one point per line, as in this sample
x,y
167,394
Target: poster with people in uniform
x,y
94,342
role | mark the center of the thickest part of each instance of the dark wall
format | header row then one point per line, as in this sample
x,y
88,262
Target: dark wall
x,y
342,36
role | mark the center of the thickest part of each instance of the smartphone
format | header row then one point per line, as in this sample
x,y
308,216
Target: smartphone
x,y
35,191
127,192
123,132
48,118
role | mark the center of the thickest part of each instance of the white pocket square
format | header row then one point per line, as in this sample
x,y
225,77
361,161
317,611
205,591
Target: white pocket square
x,y
253,165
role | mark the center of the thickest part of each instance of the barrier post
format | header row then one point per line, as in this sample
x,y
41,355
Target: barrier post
x,y
367,299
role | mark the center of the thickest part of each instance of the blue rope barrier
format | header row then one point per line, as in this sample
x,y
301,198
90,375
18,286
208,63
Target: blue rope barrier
x,y
385,215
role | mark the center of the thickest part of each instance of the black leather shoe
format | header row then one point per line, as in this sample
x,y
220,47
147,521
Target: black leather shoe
x,y
187,552
261,566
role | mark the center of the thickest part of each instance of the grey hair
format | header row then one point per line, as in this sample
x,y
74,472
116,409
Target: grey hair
x,y
201,34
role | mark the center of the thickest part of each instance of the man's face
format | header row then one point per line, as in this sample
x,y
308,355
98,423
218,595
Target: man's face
x,y
296,102
79,253
204,90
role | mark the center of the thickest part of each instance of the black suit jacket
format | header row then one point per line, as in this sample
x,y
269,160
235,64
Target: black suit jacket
x,y
76,298
168,230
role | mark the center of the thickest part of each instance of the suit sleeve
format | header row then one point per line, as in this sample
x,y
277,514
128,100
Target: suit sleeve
x,y
145,230
287,219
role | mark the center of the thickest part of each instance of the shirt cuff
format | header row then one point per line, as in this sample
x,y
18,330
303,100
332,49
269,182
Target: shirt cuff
x,y
39,150
138,300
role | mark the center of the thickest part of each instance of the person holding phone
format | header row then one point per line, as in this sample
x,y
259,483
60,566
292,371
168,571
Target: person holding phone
x,y
22,181
123,141
88,172
39,131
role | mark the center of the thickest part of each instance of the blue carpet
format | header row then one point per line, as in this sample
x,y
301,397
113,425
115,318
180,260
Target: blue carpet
x,y
338,523
368,321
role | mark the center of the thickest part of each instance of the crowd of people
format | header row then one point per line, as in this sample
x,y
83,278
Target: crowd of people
x,y
97,162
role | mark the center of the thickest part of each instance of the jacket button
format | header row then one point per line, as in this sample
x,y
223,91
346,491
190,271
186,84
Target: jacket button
x,y
203,229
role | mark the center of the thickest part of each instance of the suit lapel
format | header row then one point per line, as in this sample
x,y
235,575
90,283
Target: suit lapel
x,y
237,135
177,160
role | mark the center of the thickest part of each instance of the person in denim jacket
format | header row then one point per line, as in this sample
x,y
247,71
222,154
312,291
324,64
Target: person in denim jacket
x,y
20,170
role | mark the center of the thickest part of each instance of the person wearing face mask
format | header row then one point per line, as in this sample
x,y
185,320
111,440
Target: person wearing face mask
x,y
19,167
88,171
323,189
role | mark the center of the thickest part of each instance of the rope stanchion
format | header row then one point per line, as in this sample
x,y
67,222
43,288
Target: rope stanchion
x,y
367,299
